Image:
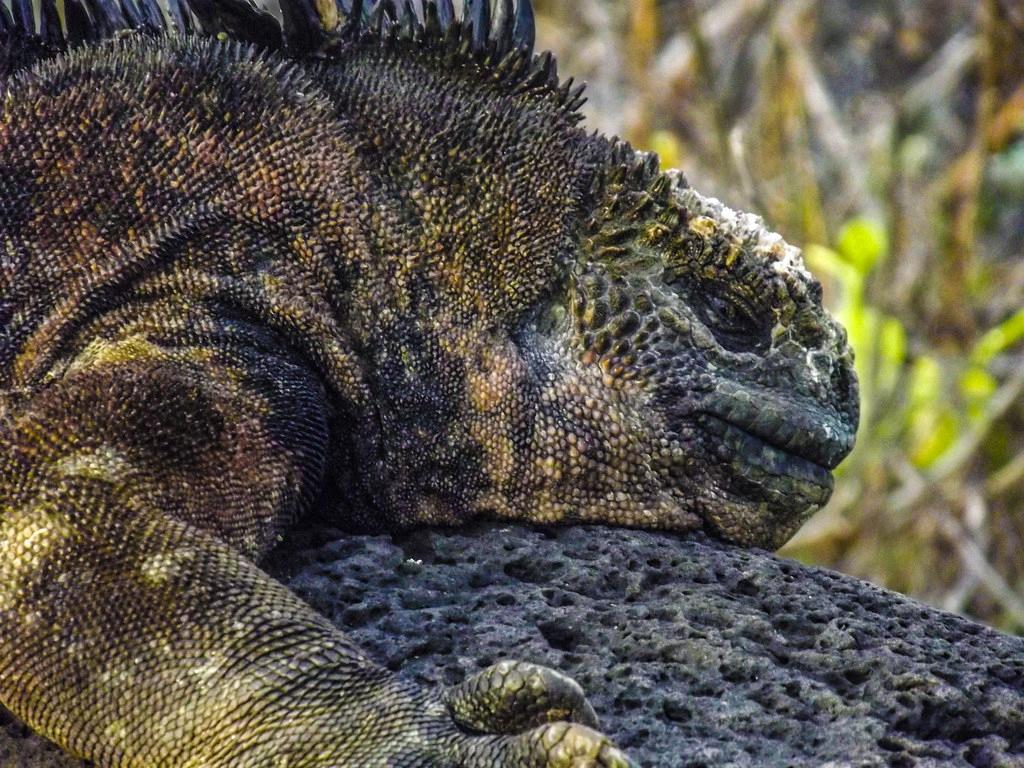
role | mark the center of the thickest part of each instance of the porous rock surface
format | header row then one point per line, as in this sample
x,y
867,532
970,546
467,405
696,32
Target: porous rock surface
x,y
693,653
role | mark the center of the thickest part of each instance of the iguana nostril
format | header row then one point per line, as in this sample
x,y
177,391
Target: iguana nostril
x,y
844,384
821,362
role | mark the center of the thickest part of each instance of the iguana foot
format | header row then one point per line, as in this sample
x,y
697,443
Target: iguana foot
x,y
535,703
511,696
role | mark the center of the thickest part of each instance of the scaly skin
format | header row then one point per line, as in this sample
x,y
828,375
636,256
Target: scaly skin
x,y
231,281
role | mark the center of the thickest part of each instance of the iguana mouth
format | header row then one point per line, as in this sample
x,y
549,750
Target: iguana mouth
x,y
769,467
794,429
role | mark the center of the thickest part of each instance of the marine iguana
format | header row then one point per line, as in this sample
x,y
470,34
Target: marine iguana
x,y
369,253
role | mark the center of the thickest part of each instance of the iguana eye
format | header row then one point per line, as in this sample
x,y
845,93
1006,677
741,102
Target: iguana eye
x,y
725,314
735,324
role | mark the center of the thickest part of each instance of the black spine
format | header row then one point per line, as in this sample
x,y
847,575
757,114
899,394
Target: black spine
x,y
525,27
355,19
477,17
445,13
503,28
24,18
304,31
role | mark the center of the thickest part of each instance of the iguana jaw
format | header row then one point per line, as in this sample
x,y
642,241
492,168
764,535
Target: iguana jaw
x,y
771,483
745,485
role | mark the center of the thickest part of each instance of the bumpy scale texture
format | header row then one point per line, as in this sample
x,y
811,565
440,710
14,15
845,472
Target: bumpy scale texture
x,y
381,265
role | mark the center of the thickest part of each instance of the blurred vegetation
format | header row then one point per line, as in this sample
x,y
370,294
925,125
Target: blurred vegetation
x,y
886,137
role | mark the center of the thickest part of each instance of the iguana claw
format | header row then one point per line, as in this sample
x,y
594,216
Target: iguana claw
x,y
546,718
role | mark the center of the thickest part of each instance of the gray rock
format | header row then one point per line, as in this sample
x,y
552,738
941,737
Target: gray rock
x,y
693,653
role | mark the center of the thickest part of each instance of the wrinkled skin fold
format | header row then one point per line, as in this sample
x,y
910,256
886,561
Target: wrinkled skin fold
x,y
395,274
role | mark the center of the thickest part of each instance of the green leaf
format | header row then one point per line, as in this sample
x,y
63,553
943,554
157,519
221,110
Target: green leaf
x,y
998,339
935,440
977,383
667,147
892,354
925,382
933,425
862,243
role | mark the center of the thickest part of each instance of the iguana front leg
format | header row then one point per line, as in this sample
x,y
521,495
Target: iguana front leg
x,y
136,631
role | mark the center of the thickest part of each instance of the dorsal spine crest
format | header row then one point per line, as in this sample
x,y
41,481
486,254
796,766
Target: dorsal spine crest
x,y
501,42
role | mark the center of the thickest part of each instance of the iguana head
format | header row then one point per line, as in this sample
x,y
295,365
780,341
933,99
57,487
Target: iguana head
x,y
697,369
